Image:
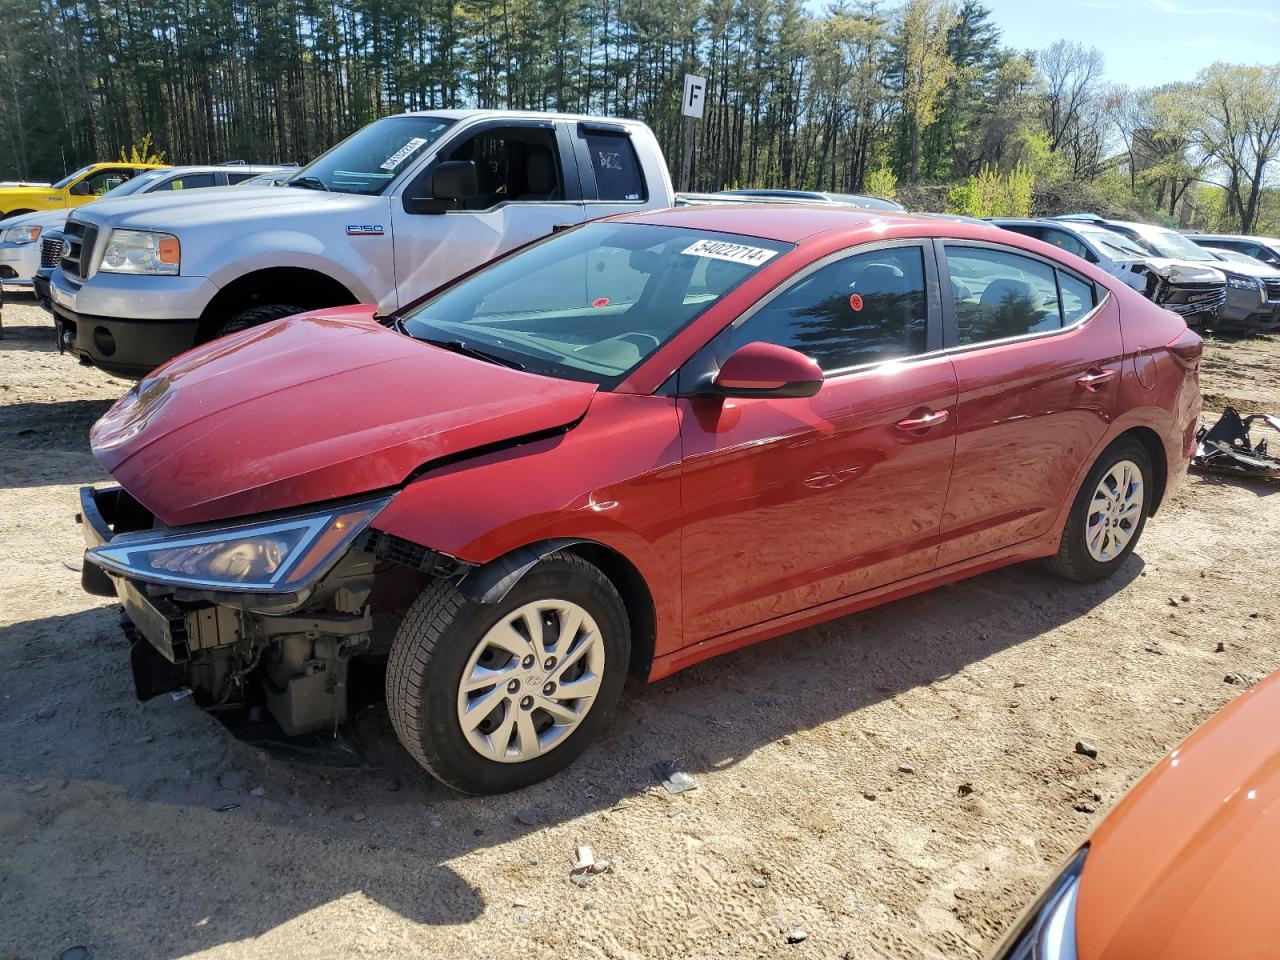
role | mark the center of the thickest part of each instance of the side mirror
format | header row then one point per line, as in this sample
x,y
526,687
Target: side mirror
x,y
451,181
768,370
455,180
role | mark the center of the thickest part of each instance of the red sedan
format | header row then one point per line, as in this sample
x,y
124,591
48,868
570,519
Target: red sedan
x,y
628,447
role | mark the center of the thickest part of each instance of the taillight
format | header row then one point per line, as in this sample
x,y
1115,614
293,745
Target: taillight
x,y
1188,348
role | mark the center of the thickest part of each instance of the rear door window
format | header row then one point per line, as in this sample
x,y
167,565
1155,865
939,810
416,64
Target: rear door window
x,y
1078,297
190,181
616,167
1000,294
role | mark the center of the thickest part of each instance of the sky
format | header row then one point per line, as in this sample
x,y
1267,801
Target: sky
x,y
1148,42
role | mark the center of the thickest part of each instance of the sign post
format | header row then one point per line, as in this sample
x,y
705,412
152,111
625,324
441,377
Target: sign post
x,y
691,105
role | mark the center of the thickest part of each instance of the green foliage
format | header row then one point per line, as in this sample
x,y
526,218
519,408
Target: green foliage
x,y
141,152
881,182
991,194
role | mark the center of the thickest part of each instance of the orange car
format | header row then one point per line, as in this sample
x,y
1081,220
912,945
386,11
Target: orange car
x,y
1185,867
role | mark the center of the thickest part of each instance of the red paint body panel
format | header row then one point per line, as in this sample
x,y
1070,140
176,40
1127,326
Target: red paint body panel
x,y
796,502
1184,867
745,518
317,407
1026,426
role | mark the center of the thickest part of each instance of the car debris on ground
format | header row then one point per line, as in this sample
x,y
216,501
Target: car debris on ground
x,y
1226,447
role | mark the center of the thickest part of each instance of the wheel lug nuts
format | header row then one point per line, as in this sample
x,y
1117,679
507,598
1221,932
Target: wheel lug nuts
x,y
549,689
526,703
549,663
513,686
527,662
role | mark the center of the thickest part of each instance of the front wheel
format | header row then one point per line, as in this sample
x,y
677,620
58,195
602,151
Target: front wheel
x,y
1108,515
494,697
252,317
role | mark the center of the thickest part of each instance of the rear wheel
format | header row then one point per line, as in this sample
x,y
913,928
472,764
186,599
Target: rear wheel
x,y
252,317
1108,515
494,697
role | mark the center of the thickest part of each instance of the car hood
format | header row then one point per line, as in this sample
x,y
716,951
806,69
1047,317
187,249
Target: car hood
x,y
1240,268
1184,867
1183,271
311,408
42,218
166,209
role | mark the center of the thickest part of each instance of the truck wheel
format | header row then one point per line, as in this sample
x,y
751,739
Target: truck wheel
x,y
1108,515
254,316
491,697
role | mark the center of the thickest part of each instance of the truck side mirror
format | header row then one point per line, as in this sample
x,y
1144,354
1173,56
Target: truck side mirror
x,y
450,182
455,180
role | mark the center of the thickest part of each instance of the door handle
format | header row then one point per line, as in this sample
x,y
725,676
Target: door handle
x,y
1095,378
919,425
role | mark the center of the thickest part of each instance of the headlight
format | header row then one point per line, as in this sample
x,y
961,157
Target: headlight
x,y
274,556
22,235
1244,283
1048,930
141,251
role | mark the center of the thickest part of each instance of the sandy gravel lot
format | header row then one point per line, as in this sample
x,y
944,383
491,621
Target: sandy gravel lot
x,y
117,830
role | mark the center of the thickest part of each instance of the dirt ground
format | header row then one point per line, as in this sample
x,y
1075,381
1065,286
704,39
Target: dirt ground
x,y
146,830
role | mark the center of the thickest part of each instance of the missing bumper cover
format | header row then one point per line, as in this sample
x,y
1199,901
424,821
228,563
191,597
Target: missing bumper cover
x,y
1226,447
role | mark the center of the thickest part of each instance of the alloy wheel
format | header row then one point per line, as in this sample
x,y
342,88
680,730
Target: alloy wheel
x,y
1115,511
530,681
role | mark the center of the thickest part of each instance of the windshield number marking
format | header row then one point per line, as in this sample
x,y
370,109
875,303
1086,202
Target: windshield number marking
x,y
398,157
733,252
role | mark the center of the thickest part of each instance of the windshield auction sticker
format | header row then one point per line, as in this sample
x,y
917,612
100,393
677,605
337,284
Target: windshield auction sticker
x,y
397,158
733,252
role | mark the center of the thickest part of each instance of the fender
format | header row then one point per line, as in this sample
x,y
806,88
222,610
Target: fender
x,y
493,581
297,250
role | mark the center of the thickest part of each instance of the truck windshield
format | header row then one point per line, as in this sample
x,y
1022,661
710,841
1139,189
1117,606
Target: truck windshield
x,y
368,160
71,178
592,303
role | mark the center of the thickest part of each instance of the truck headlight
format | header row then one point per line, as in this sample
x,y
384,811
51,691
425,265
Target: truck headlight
x,y
1237,282
141,251
281,555
1047,931
21,235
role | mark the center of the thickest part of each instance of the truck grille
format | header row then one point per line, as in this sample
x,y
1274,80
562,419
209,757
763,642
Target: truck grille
x,y
1273,289
79,239
51,251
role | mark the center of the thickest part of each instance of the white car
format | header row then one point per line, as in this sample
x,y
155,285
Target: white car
x,y
25,241
402,206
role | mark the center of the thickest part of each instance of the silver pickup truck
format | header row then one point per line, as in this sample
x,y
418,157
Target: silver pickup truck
x,y
402,206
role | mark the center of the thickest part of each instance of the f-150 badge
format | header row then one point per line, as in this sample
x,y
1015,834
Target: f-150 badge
x,y
364,230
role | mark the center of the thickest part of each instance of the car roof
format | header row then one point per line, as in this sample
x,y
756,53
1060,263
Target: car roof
x,y
1251,238
517,115
251,168
795,223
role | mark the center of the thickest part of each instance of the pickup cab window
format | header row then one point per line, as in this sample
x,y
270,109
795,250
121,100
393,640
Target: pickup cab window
x,y
616,167
513,165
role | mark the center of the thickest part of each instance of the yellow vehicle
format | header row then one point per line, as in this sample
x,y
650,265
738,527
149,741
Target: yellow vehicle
x,y
86,184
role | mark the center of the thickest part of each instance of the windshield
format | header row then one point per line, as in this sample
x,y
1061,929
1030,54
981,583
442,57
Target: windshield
x,y
71,178
1115,244
137,185
1173,245
371,157
593,303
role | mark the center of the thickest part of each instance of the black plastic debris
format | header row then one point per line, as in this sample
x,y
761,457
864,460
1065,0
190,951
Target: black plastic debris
x,y
1226,447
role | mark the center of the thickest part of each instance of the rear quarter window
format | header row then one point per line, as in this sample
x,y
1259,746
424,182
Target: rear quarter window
x,y
616,167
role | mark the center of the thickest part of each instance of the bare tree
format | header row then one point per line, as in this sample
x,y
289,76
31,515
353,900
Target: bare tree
x,y
1072,78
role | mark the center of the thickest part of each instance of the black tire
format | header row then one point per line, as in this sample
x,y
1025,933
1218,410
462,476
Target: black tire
x,y
263,313
432,648
1074,560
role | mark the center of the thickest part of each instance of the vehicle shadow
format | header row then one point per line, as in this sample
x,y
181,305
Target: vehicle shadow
x,y
129,786
39,336
48,443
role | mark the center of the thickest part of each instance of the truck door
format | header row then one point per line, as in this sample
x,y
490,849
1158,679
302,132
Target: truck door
x,y
614,178
529,187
